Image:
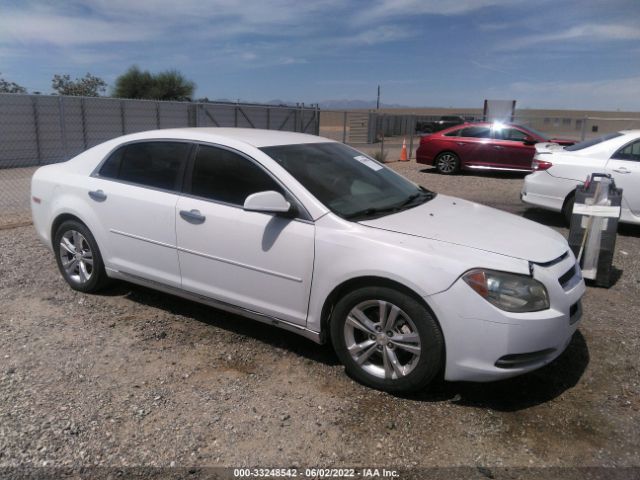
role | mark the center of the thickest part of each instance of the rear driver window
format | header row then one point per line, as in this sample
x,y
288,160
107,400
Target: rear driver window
x,y
476,132
152,164
224,176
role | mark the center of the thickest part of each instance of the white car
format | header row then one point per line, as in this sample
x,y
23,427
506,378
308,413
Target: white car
x,y
312,236
558,170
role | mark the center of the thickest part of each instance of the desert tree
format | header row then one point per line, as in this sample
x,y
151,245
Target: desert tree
x,y
87,86
11,87
168,85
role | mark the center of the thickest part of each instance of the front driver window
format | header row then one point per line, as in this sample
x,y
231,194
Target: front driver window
x,y
512,134
225,176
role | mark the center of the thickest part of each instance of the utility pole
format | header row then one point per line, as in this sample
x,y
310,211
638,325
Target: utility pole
x,y
378,100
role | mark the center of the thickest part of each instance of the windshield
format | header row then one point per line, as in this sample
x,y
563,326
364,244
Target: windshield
x,y
592,142
348,182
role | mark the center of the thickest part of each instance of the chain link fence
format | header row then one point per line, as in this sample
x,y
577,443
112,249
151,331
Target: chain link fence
x,y
37,130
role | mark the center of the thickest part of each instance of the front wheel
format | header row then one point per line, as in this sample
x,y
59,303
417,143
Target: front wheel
x,y
567,208
387,340
447,163
78,257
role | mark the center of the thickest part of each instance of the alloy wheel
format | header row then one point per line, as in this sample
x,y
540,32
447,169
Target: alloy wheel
x,y
76,256
382,339
447,163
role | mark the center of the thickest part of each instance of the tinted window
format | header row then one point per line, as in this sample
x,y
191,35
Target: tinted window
x,y
225,176
629,152
346,181
592,142
476,132
511,134
153,164
455,133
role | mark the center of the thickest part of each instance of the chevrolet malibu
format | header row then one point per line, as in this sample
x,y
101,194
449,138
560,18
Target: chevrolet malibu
x,y
309,235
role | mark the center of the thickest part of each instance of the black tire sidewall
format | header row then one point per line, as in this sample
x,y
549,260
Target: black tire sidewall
x,y
567,208
98,277
455,170
431,357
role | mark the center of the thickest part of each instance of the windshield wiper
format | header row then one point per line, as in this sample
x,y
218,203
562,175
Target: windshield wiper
x,y
424,195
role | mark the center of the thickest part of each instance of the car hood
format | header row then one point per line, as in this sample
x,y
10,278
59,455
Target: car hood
x,y
453,220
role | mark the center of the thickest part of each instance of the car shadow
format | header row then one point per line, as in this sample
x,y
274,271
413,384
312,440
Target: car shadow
x,y
545,217
629,230
514,394
518,393
478,173
274,336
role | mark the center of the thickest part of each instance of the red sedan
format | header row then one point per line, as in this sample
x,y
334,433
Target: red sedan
x,y
485,146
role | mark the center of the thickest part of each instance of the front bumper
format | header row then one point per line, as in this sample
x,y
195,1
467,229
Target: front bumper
x,y
484,343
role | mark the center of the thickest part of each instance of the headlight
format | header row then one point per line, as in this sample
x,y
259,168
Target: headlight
x,y
508,291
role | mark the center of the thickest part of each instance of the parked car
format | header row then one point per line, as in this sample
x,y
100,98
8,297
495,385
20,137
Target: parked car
x,y
557,172
445,121
312,236
482,146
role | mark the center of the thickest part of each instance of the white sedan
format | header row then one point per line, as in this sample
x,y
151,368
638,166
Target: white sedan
x,y
558,170
312,236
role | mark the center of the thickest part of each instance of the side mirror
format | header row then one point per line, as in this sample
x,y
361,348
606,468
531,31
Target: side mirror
x,y
267,202
529,141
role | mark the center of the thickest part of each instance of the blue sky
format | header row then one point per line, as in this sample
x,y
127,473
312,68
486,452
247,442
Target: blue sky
x,y
580,54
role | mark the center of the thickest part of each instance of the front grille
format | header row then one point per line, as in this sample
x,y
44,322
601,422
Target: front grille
x,y
567,276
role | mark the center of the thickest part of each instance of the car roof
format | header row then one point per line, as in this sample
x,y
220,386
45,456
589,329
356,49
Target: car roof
x,y
251,136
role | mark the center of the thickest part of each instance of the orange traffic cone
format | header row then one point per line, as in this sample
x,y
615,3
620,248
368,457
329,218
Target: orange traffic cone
x,y
403,154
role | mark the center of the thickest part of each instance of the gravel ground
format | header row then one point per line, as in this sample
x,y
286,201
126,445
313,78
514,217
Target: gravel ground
x,y
132,377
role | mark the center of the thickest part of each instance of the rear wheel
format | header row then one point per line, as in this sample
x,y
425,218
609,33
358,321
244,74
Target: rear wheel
x,y
78,257
447,163
386,339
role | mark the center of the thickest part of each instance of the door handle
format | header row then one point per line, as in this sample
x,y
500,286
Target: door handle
x,y
193,216
462,144
97,195
621,170
498,147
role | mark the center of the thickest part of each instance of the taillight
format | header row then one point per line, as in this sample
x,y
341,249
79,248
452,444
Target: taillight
x,y
538,165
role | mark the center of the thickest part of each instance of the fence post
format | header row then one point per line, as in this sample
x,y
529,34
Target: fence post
x,y
584,128
198,107
122,117
412,130
344,127
36,125
157,115
63,127
84,123
268,118
235,116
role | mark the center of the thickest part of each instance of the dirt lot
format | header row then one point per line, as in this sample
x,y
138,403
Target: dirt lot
x,y
132,377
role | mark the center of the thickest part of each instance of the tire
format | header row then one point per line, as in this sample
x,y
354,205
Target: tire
x,y
412,342
83,268
447,163
567,208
